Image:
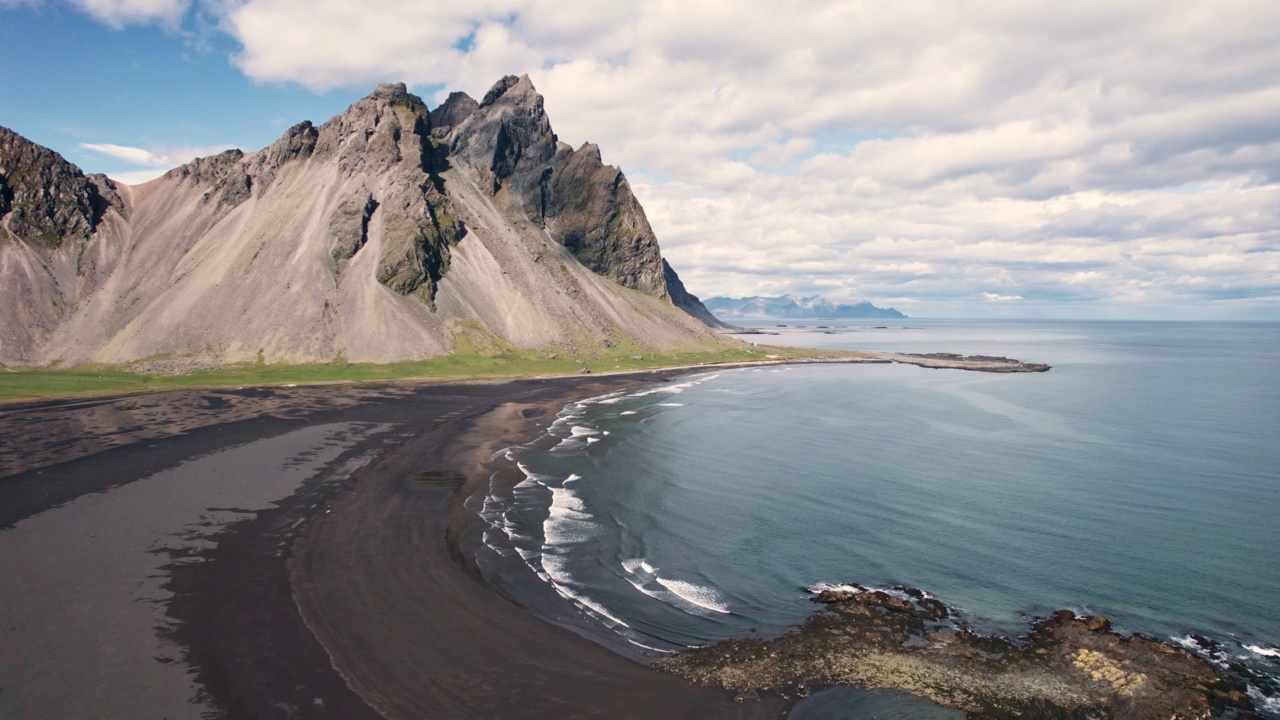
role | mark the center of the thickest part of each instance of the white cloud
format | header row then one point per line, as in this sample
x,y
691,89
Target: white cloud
x,y
149,163
132,155
160,156
135,177
996,297
118,13
1094,152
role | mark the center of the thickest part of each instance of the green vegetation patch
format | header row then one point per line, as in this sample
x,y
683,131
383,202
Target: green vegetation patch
x,y
509,364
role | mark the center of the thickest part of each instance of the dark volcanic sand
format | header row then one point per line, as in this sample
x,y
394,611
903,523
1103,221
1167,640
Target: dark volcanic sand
x,y
361,554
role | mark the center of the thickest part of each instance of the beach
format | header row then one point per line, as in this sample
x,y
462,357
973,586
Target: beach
x,y
311,552
345,595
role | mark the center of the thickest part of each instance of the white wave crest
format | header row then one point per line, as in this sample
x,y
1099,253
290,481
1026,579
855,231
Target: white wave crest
x,y
627,412
822,587
636,566
1263,651
557,572
573,477
531,478
670,404
564,499
1269,705
648,647
569,444
855,588
703,597
568,522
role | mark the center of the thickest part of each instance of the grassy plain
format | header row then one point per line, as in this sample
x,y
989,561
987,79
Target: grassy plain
x,y
89,380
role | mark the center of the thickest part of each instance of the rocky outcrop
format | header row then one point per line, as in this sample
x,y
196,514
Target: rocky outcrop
x,y
349,224
386,134
452,112
389,133
585,205
688,302
985,363
902,639
46,200
298,143
589,208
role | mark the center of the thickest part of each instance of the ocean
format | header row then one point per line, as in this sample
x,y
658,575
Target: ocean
x,y
1138,479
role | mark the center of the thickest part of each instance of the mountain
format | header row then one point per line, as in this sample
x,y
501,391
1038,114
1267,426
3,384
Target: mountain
x,y
391,232
794,306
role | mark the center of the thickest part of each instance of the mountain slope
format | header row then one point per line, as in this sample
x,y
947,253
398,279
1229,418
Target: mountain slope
x,y
388,233
795,307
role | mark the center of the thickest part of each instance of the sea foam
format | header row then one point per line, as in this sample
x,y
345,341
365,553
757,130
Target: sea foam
x,y
703,597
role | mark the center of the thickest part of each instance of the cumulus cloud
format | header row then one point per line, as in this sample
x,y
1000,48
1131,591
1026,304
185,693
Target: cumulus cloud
x,y
934,152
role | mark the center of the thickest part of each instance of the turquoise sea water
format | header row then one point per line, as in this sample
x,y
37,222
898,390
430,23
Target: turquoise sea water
x,y
1138,479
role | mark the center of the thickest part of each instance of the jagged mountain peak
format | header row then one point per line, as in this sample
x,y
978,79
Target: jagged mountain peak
x,y
513,89
46,199
453,111
386,233
508,134
394,91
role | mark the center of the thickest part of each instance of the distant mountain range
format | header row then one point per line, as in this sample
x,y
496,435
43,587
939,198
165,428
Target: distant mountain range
x,y
794,307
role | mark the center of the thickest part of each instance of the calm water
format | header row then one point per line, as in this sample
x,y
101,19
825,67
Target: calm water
x,y
1139,479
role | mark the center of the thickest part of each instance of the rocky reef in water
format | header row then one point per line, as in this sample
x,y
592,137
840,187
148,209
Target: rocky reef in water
x,y
1065,668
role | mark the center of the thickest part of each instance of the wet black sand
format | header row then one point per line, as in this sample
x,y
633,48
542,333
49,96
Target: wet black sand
x,y
350,598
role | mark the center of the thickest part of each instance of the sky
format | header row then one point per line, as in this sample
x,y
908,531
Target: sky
x,y
1020,159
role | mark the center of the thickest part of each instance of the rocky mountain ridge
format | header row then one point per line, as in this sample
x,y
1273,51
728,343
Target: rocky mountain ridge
x,y
795,307
390,232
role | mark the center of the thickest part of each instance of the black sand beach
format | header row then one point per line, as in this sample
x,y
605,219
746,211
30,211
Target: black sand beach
x,y
347,598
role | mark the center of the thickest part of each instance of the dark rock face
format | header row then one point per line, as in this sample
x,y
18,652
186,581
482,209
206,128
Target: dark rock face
x,y
589,207
390,132
507,139
349,225
585,205
45,199
456,108
688,302
297,143
225,176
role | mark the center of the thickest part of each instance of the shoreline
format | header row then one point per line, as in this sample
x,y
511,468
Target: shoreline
x,y
353,593
950,361
350,580
54,430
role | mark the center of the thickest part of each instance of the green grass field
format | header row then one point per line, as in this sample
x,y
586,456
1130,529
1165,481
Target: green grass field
x,y
85,380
